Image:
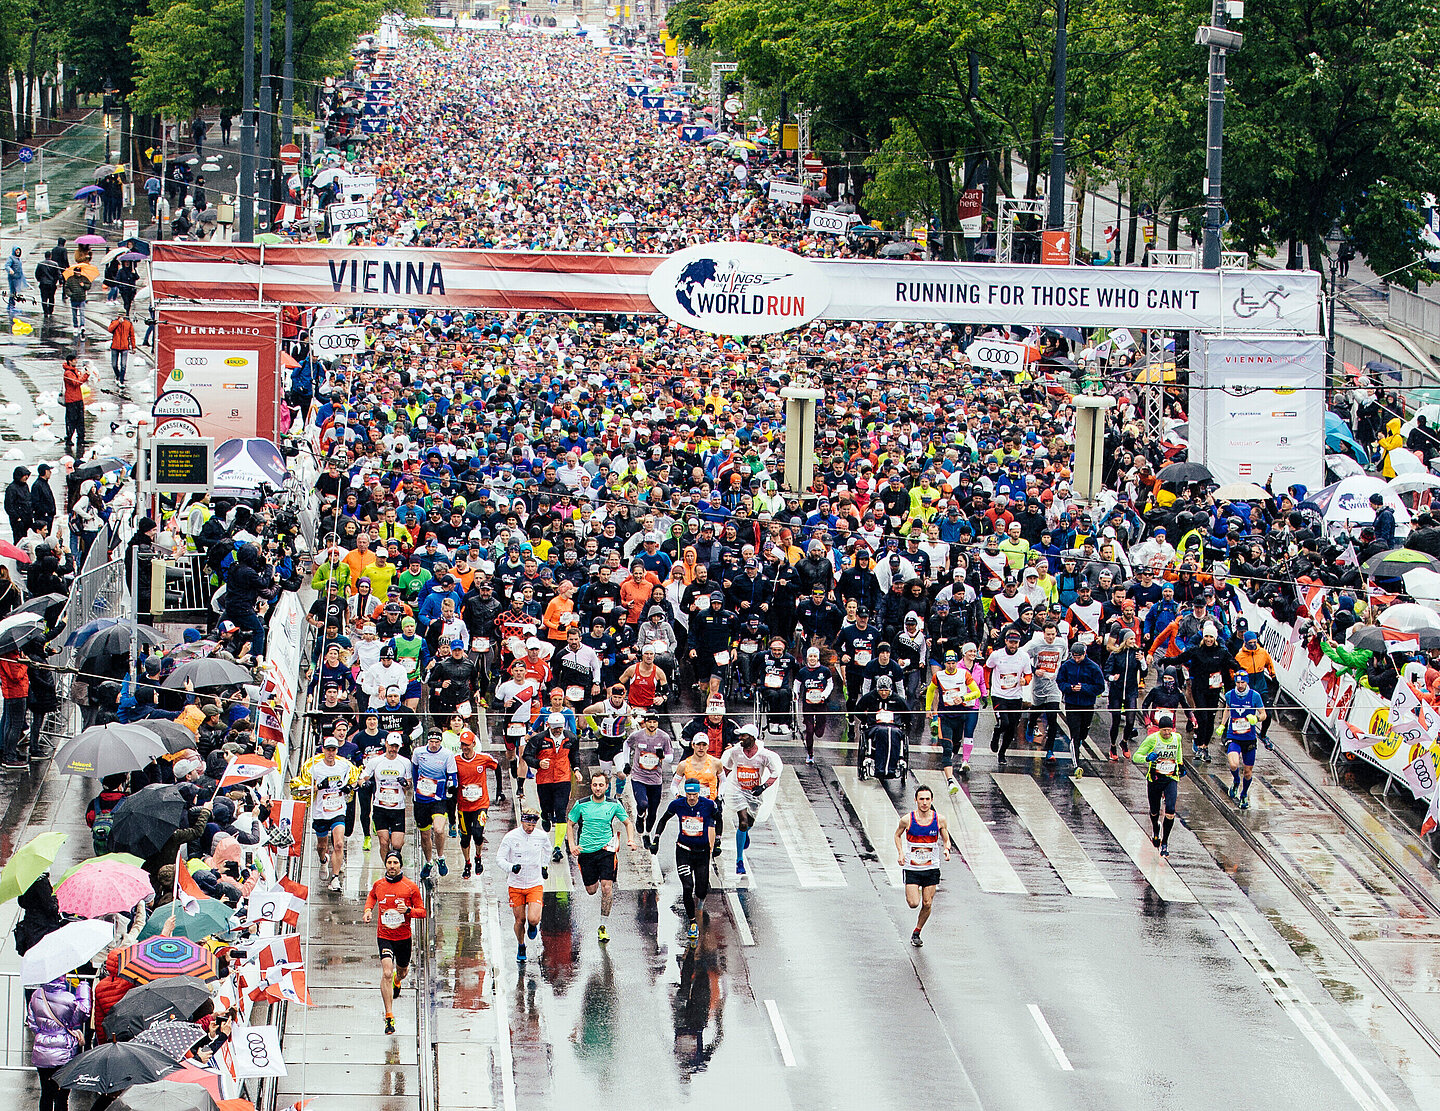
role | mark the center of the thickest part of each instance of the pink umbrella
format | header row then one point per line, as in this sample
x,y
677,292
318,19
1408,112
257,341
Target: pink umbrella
x,y
92,240
105,887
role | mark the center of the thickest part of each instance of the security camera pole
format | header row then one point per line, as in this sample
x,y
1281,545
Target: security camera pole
x,y
1219,41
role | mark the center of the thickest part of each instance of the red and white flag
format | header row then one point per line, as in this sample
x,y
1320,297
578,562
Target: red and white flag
x,y
274,904
1353,740
244,769
1399,639
1432,815
271,951
289,814
290,987
187,891
1312,596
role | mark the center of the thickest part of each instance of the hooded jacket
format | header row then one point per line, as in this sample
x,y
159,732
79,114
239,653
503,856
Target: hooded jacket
x,y
109,990
57,1015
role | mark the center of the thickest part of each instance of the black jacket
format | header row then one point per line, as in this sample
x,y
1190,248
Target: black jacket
x,y
42,500
17,504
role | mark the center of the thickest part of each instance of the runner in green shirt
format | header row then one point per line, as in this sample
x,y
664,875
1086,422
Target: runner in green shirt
x,y
595,818
1162,756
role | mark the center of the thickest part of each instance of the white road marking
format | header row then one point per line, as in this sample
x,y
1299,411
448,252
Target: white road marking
x,y
742,924
490,938
1050,1039
1355,1077
1134,840
1059,845
799,830
878,818
782,1039
976,843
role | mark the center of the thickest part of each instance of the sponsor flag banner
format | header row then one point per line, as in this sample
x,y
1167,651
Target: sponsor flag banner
x,y
786,192
257,1052
1420,775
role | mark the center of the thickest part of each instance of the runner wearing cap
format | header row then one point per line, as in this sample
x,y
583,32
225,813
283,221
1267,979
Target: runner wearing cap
x,y
814,684
611,720
435,780
520,700
473,799
1007,672
552,756
328,780
696,840
700,765
523,855
1210,668
642,758
389,777
1162,755
1240,722
393,901
952,698
748,769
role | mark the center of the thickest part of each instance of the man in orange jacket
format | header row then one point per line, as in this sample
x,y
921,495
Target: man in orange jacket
x,y
75,378
122,342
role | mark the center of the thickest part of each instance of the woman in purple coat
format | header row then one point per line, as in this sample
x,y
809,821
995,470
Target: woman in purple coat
x,y
57,1015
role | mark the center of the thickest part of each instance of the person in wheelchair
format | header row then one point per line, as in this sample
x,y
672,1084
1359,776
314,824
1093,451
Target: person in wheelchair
x,y
656,630
775,674
750,643
883,715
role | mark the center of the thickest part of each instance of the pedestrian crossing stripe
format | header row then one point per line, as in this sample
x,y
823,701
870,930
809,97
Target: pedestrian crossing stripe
x,y
1061,848
973,840
878,818
1135,841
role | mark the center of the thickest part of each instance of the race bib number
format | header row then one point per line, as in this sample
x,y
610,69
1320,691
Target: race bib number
x,y
1009,683
814,697
464,709
389,796
649,761
954,698
747,777
885,717
1165,765
470,792
1215,681
426,787
722,658
515,729
862,658
392,919
774,681
922,856
483,644
749,647
1240,725
331,802
574,693
692,825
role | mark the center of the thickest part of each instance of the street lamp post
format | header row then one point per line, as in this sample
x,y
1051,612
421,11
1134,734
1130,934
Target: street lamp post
x,y
1219,41
247,129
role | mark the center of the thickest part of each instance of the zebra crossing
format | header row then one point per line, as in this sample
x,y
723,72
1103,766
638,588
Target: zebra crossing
x,y
1025,836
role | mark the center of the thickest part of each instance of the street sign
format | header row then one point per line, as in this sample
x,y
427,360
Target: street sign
x,y
813,164
22,208
290,154
971,203
25,154
42,198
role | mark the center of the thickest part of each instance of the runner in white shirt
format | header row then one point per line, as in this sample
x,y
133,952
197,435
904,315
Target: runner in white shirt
x,y
748,770
378,678
517,696
1047,650
391,774
1008,670
524,856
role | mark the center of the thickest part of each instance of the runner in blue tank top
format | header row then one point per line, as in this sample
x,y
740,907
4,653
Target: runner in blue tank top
x,y
921,839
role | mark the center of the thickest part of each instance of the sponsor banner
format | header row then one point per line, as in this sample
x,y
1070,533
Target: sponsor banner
x,y
835,223
225,366
977,293
671,115
787,192
742,289
341,339
692,133
994,354
1334,702
359,185
347,215
1264,410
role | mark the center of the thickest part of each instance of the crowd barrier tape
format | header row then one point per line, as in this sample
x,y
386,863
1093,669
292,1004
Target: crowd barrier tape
x,y
1332,697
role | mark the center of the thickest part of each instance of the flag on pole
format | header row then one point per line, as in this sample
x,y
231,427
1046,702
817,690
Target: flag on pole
x,y
289,815
244,769
1432,815
1399,639
268,952
187,891
1354,740
1348,558
1312,596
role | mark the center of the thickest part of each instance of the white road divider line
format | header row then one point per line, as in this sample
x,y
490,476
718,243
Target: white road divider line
x,y
782,1039
742,924
1050,1039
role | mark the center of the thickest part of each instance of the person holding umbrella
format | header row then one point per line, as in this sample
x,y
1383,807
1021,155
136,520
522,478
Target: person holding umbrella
x,y
57,1014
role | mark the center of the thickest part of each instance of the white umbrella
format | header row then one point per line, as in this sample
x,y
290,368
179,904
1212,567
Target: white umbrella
x,y
1348,501
1410,617
1404,461
1415,481
64,950
1343,466
325,177
1422,583
1240,491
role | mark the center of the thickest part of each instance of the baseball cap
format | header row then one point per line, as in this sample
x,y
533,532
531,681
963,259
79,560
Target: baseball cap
x,y
457,643
330,742
1164,719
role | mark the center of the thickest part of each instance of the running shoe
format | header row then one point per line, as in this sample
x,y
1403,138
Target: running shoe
x,y
739,867
1245,802
425,871
601,935
520,952
397,984
1164,850
465,872
994,744
916,940
965,768
389,1024
1078,773
1234,793
444,868
692,935
531,932
557,856
1155,840
809,759
479,866
1114,756
954,787
367,842
335,882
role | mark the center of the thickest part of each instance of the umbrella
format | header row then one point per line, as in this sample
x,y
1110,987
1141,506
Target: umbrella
x,y
168,1095
19,629
28,863
1377,367
96,467
846,208
1185,472
1241,491
158,957
63,950
103,858
898,250
133,256
87,191
867,231
109,749
138,245
175,997
89,270
175,738
1343,466
1421,582
1367,637
47,606
106,888
269,237
146,820
208,673
115,1066
91,240
106,171
89,629
115,641
1403,461
1409,617
209,918
1394,563
10,551
1414,482
325,177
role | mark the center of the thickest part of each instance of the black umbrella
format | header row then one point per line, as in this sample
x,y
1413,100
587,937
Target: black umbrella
x,y
898,250
97,468
1185,472
167,1095
141,246
147,819
115,1066
1394,563
173,999
47,606
1367,637
175,737
208,673
115,641
19,629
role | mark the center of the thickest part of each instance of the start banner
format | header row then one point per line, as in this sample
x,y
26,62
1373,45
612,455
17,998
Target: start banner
x,y
940,292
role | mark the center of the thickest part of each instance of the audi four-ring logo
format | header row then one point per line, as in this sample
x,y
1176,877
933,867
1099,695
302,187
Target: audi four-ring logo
x,y
259,1053
997,355
336,341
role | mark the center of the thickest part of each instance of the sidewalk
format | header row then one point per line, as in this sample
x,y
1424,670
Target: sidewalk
x,y
71,159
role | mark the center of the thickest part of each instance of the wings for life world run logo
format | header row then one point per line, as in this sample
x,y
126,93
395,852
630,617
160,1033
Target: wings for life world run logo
x,y
739,289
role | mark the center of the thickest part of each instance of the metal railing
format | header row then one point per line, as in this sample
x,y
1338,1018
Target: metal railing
x,y
1415,311
12,1023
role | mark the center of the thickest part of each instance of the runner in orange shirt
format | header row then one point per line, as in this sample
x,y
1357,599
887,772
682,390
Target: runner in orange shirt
x,y
473,806
397,900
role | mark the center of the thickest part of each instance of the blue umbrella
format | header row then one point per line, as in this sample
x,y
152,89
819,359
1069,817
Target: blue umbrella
x,y
87,191
1340,440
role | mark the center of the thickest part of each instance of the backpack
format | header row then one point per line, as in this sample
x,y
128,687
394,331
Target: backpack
x,y
100,832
